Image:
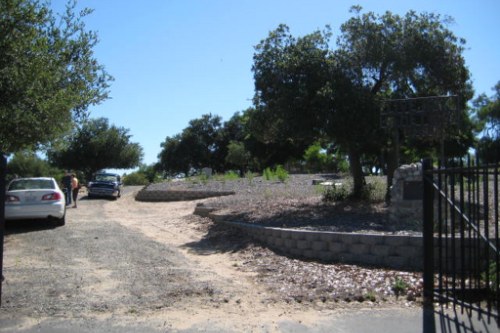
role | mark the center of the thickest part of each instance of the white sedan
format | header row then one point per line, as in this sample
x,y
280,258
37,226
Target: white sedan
x,y
35,198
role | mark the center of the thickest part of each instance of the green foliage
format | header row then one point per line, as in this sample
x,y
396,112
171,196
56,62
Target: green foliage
x,y
135,178
279,173
150,172
145,175
290,74
231,175
487,112
342,165
491,276
370,296
28,164
487,121
96,145
399,287
237,155
335,193
267,174
48,74
488,150
375,190
250,176
317,159
198,146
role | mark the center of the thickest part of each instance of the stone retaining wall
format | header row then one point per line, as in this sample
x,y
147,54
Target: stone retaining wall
x,y
388,251
177,195
402,207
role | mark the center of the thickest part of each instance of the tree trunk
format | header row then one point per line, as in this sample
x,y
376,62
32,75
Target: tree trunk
x,y
356,172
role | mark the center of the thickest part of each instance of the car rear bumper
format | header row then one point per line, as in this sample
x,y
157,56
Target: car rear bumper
x,y
43,211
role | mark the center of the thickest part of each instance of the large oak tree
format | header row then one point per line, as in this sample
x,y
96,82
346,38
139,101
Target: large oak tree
x,y
305,91
48,73
96,145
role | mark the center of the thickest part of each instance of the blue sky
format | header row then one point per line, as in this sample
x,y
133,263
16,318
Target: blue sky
x,y
175,60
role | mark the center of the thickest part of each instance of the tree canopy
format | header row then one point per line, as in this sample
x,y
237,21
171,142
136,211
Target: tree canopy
x,y
487,112
304,91
48,73
198,146
96,145
290,75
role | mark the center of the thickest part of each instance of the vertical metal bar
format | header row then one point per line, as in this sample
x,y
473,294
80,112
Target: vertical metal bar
x,y
470,249
440,230
453,256
462,231
3,171
445,232
428,231
486,219
497,256
477,239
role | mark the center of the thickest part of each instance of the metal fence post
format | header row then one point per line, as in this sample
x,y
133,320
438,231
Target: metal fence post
x,y
3,171
428,216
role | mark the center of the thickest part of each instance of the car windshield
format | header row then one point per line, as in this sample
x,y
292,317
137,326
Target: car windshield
x,y
31,184
106,178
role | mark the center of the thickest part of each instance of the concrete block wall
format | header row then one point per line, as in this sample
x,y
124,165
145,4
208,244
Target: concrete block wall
x,y
397,252
177,195
387,251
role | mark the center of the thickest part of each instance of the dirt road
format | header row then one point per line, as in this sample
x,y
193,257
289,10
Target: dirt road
x,y
127,266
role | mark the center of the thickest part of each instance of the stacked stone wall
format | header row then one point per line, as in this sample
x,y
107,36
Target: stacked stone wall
x,y
377,250
407,207
177,195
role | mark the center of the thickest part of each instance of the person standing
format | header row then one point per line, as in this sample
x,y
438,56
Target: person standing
x,y
75,188
66,181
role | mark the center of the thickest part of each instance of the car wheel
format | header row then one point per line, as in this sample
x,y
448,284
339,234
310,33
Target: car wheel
x,y
61,221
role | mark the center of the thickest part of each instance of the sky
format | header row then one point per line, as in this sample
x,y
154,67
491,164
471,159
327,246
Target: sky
x,y
176,60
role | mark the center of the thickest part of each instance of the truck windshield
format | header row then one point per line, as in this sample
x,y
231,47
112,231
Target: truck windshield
x,y
106,178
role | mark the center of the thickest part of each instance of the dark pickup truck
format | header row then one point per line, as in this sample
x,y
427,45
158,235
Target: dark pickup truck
x,y
105,185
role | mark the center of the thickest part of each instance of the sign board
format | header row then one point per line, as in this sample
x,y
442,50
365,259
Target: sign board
x,y
413,190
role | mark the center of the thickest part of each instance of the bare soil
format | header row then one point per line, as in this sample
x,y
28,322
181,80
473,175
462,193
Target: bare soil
x,y
133,262
297,204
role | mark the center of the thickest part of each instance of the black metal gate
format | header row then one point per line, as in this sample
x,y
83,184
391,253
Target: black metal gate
x,y
461,236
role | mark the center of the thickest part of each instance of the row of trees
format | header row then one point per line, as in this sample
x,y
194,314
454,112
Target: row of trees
x,y
48,79
308,93
312,102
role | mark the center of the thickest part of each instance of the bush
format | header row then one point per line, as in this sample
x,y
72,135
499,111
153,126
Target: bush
x,y
267,174
231,175
375,190
135,178
335,193
279,173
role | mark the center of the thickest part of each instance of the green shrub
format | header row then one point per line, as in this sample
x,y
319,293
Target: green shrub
x,y
399,287
267,174
249,176
375,190
281,173
278,173
343,166
491,276
231,175
135,178
335,193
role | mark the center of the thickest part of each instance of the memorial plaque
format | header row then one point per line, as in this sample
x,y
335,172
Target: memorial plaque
x,y
413,190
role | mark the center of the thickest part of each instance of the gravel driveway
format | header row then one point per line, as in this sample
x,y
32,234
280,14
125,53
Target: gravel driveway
x,y
130,266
